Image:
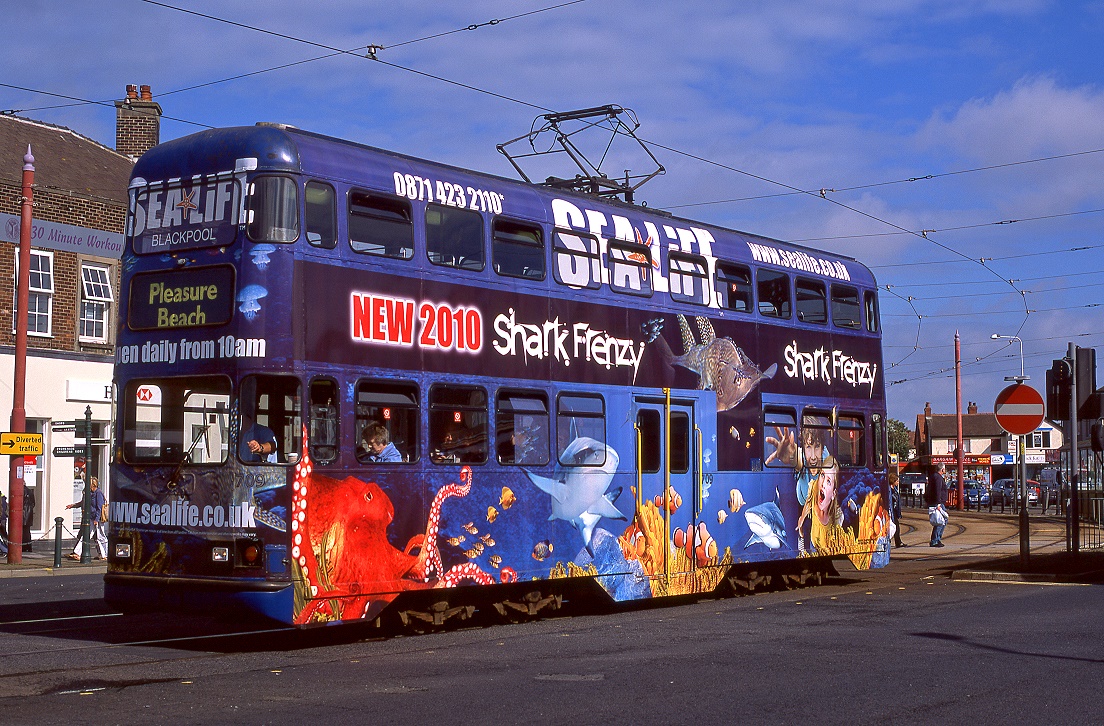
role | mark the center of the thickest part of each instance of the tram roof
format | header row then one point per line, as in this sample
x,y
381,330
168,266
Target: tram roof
x,y
280,148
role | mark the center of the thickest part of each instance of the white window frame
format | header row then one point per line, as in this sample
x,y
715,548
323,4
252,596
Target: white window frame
x,y
95,294
33,290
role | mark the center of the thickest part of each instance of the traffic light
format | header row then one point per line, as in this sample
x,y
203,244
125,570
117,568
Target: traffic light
x,y
1086,381
1097,437
1058,391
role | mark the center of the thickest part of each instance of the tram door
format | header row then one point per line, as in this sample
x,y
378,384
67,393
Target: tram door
x,y
667,475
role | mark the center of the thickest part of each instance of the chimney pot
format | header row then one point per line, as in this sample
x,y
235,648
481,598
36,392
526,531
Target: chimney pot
x,y
146,94
132,92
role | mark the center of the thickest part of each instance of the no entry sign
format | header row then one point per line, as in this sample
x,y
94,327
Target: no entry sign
x,y
1019,409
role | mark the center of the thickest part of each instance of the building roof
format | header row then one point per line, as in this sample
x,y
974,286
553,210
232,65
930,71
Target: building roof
x,y
64,160
974,426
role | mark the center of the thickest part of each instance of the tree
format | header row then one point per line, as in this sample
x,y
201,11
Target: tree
x,y
899,439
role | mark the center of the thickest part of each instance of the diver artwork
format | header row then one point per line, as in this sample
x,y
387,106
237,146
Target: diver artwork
x,y
722,367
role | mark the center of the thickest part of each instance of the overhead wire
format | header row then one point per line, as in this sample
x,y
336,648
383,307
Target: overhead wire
x,y
370,54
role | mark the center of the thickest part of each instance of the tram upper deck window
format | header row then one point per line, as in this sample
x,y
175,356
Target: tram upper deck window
x,y
846,312
521,428
393,405
321,216
517,250
457,424
779,436
380,225
630,268
454,237
687,277
581,430
270,429
872,322
774,293
734,287
272,205
812,301
575,259
176,420
850,444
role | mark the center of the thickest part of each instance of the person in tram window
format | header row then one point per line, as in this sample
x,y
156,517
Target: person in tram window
x,y
257,443
376,442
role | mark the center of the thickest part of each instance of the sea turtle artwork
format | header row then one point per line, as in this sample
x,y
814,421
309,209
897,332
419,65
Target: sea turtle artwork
x,y
721,366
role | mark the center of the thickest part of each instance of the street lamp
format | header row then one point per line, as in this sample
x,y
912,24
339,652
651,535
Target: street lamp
x,y
1020,378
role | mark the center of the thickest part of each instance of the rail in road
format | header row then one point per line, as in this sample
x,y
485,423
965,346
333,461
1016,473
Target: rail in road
x,y
977,536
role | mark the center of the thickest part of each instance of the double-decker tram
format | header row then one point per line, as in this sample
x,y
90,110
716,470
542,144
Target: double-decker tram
x,y
353,383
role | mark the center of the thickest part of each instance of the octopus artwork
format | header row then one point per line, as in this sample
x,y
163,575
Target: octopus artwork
x,y
345,566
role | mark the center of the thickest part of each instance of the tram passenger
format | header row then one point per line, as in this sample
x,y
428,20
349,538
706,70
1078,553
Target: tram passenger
x,y
377,445
257,442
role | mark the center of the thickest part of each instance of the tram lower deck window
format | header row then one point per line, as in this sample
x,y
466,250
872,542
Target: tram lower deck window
x,y
581,430
457,424
176,420
392,405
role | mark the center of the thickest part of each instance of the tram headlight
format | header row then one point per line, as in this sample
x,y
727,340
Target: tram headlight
x,y
122,550
220,554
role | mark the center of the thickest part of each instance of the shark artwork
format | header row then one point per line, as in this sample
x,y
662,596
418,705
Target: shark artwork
x,y
722,367
578,492
767,525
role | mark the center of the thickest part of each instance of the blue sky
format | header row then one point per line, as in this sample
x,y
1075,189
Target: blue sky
x,y
843,96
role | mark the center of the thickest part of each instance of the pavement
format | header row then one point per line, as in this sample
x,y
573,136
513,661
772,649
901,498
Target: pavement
x,y
40,561
979,546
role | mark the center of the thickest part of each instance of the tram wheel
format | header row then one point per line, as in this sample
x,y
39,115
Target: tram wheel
x,y
435,615
530,605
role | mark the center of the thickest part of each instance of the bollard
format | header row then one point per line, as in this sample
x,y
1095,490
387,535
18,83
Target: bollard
x,y
57,541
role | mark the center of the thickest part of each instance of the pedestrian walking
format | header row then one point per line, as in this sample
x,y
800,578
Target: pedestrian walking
x,y
29,504
96,530
935,496
895,509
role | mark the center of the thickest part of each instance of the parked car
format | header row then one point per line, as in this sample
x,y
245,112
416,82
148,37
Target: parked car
x,y
1004,491
1008,490
976,495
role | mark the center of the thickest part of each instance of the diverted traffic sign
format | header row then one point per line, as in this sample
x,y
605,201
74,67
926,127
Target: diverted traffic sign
x,y
12,442
1019,409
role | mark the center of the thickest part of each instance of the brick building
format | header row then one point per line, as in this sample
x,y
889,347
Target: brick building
x,y
80,202
988,451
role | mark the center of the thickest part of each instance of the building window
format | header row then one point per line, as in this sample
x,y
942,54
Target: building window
x,y
96,297
40,299
1039,440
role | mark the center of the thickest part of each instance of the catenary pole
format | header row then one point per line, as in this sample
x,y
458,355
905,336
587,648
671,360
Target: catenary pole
x,y
19,383
959,454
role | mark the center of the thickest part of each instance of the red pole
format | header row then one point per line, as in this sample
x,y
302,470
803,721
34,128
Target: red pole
x,y
19,384
958,418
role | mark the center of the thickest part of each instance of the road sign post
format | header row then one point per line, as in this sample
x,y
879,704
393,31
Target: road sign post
x,y
1020,409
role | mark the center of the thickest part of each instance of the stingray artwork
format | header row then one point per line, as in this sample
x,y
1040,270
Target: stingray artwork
x,y
722,367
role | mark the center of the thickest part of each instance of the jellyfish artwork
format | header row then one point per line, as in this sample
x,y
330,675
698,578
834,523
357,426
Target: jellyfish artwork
x,y
248,297
260,254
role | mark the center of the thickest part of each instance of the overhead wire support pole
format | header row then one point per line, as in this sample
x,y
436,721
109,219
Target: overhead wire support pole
x,y
1075,455
16,469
